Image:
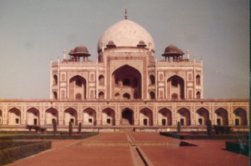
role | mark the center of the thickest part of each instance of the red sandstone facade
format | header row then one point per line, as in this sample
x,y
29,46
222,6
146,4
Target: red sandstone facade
x,y
127,87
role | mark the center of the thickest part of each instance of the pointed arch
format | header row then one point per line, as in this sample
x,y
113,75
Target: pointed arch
x,y
127,117
184,116
222,116
203,116
55,80
176,87
101,95
70,115
240,117
101,80
146,117
50,114
198,80
108,117
127,80
77,88
14,116
164,117
32,116
89,116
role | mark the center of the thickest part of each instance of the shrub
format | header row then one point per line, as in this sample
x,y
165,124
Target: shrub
x,y
237,147
11,154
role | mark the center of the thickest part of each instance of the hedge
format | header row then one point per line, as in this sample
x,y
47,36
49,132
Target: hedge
x,y
8,144
48,136
11,154
232,136
237,147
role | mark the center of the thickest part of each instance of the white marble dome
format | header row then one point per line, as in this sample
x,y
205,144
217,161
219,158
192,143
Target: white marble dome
x,y
126,33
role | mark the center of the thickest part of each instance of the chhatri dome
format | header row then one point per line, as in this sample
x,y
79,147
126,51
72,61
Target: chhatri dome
x,y
126,33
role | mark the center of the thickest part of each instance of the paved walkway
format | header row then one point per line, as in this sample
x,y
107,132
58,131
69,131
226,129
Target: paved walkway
x,y
133,149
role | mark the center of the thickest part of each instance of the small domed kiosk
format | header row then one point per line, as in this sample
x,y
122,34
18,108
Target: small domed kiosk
x,y
173,53
78,52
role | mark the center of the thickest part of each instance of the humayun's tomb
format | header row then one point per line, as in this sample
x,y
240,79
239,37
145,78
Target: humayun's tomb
x,y
127,87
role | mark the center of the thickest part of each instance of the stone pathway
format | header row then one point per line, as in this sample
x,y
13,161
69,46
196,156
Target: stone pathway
x,y
133,149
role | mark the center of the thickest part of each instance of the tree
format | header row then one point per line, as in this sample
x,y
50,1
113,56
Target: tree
x,y
70,127
54,123
209,127
79,127
178,127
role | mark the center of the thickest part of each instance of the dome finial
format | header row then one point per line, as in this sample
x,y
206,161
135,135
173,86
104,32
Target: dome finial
x,y
126,14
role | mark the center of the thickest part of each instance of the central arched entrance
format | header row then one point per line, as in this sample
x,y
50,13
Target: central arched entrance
x,y
127,117
126,83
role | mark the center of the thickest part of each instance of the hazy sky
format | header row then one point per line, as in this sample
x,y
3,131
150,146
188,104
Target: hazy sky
x,y
34,32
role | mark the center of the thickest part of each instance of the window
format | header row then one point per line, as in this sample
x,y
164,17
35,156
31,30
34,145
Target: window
x,y
35,122
198,96
198,80
55,95
237,122
126,82
163,122
55,79
152,80
200,121
152,95
90,120
72,120
101,80
145,122
108,121
218,121
182,122
17,121
126,96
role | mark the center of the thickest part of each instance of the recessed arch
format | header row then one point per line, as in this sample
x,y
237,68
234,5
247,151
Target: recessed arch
x,y
198,95
222,116
127,79
203,116
77,88
152,95
175,84
146,117
101,95
14,116
184,117
32,116
240,117
198,80
127,117
70,115
152,79
108,117
164,117
55,80
51,114
89,117
101,80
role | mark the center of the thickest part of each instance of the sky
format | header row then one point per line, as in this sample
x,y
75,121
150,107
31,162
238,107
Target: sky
x,y
35,32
